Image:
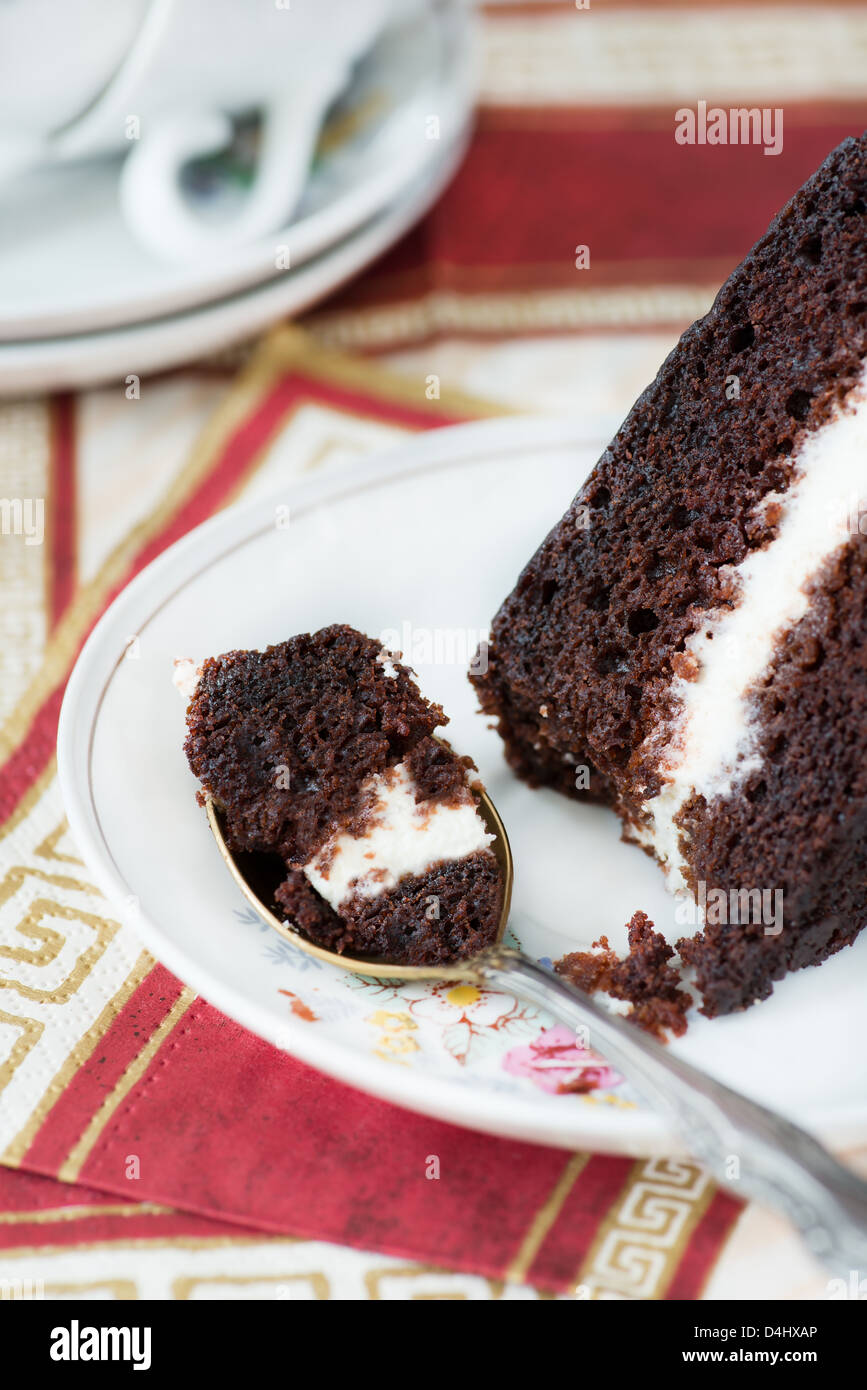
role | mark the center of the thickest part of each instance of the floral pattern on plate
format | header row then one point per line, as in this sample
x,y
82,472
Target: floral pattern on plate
x,y
420,1024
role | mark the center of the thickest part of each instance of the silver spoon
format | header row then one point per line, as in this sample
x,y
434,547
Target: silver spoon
x,y
779,1164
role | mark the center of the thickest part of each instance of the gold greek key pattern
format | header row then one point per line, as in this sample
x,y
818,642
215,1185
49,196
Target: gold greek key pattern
x,y
80,1052
123,1289
31,1032
314,1281
644,1235
64,961
47,848
230,1268
30,926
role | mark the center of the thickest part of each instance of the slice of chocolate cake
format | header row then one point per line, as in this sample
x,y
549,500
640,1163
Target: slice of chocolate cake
x,y
322,750
688,644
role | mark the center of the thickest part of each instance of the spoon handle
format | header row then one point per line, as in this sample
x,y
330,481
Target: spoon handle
x,y
756,1153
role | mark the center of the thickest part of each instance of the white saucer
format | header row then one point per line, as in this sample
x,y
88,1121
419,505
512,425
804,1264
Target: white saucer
x,y
433,534
69,265
85,359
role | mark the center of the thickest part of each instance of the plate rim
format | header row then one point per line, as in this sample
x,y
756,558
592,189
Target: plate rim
x,y
639,1132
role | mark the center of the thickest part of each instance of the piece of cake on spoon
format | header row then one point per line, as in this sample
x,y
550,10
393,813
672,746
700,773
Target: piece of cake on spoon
x,y
323,750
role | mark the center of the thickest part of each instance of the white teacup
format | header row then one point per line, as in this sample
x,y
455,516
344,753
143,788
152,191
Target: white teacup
x,y
54,61
168,99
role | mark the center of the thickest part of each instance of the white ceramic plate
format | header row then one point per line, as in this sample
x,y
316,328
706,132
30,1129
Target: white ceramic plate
x,y
432,535
69,363
69,265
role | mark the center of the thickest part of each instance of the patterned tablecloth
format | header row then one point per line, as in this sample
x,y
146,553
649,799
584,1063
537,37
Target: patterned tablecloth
x,y
143,1135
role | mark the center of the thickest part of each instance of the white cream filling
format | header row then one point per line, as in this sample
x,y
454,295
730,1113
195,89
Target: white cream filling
x,y
401,838
185,676
388,667
712,746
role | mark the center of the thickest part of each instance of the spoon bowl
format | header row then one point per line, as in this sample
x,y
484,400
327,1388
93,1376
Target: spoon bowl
x,y
258,875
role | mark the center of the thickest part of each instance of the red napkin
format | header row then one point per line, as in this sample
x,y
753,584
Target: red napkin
x,y
223,1125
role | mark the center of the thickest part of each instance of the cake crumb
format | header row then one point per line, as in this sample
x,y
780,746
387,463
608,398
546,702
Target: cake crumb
x,y
644,978
686,665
